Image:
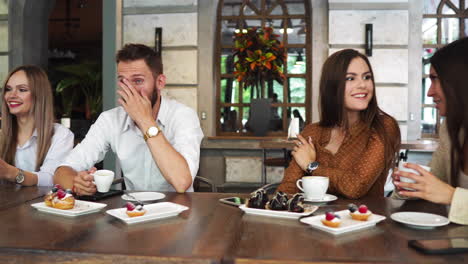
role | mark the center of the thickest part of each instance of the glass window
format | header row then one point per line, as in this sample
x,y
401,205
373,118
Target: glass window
x,y
430,7
429,29
285,88
442,24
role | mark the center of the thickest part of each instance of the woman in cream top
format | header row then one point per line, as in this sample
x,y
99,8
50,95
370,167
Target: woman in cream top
x,y
447,182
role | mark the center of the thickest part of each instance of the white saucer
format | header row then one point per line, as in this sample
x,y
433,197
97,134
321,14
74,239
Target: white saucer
x,y
327,198
420,220
144,196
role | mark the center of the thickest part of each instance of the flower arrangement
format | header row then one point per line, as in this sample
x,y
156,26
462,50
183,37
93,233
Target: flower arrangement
x,y
258,56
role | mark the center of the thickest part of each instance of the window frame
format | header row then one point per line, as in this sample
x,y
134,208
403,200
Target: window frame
x,y
264,15
461,14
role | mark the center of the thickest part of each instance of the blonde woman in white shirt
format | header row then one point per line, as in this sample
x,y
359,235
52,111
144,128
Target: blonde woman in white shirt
x,y
31,145
156,139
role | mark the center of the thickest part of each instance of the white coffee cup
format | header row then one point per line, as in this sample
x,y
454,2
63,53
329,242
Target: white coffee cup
x,y
401,167
314,187
103,180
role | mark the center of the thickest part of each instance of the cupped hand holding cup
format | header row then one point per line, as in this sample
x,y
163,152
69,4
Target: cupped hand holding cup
x,y
402,167
103,180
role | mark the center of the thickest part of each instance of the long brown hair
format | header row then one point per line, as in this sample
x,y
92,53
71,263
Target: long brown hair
x,y
332,106
42,110
451,65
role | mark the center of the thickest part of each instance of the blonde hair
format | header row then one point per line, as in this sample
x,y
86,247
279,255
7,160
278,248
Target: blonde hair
x,y
42,110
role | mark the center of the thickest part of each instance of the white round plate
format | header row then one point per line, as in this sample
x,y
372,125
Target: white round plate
x,y
325,199
420,220
144,196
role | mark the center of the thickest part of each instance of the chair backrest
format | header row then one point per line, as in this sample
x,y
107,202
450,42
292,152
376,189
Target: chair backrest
x,y
202,180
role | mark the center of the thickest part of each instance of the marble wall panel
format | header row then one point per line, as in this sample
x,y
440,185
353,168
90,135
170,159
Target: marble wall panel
x,y
404,131
178,29
274,174
389,65
3,68
390,27
187,96
180,66
3,7
4,36
153,3
394,101
243,169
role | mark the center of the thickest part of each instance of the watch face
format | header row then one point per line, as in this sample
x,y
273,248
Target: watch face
x,y
153,131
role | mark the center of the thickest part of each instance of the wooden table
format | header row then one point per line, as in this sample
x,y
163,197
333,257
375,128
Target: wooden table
x,y
210,232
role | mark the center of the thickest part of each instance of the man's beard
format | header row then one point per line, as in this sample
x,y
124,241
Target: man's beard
x,y
154,97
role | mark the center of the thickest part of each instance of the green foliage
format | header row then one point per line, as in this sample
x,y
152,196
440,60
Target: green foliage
x,y
85,80
259,56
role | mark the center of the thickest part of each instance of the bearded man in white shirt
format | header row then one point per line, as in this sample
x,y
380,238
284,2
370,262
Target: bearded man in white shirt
x,y
156,139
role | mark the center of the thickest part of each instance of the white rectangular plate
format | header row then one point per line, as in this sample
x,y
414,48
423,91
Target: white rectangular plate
x,y
279,214
153,212
347,223
81,208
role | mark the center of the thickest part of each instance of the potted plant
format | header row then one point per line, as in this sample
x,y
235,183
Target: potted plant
x,y
82,81
258,58
80,87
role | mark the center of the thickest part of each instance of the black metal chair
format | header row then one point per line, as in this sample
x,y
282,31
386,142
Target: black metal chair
x,y
199,180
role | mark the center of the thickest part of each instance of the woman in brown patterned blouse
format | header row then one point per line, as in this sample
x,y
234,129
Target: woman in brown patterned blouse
x,y
355,143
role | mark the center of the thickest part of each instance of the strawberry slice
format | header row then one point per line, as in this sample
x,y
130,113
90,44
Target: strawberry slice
x,y
130,206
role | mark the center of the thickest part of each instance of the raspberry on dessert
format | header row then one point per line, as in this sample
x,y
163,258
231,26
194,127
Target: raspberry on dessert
x,y
130,206
61,193
363,209
329,216
352,208
57,186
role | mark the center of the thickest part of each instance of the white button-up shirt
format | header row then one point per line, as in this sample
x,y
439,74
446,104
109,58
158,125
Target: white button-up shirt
x,y
114,129
61,145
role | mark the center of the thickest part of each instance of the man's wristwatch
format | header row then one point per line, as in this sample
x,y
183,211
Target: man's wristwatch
x,y
151,132
312,166
20,176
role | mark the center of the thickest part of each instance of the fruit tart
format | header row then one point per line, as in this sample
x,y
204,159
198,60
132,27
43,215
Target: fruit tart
x,y
51,194
360,213
331,219
135,210
63,200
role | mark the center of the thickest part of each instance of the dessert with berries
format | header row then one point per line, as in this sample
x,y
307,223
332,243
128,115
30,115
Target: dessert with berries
x,y
360,213
50,196
135,210
331,219
63,200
